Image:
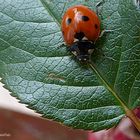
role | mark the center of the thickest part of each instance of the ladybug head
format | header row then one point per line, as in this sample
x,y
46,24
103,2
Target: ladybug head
x,y
82,48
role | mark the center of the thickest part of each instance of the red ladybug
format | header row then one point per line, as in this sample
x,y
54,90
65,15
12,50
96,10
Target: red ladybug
x,y
80,28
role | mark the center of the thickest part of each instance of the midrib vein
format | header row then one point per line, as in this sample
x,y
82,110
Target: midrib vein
x,y
50,12
129,113
92,66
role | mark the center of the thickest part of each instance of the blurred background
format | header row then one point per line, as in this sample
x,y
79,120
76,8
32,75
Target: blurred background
x,y
17,122
9,102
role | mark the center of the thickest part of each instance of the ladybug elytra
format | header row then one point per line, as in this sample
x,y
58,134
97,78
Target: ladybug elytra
x,y
81,28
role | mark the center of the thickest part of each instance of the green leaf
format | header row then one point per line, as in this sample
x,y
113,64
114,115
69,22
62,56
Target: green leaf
x,y
36,67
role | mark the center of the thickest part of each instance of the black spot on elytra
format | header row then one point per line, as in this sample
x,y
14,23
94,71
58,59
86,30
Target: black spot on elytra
x,y
79,35
85,18
96,26
68,21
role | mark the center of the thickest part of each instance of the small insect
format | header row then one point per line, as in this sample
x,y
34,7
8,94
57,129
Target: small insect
x,y
81,28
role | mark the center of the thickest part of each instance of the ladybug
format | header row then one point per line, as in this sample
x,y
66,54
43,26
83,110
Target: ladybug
x,y
80,28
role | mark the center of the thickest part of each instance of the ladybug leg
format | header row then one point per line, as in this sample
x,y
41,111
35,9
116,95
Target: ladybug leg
x,y
98,6
100,52
103,32
74,49
62,45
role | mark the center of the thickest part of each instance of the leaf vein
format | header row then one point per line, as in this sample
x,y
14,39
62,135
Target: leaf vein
x,y
49,11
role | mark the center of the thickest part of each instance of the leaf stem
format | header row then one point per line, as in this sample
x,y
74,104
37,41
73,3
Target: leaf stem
x,y
134,118
129,113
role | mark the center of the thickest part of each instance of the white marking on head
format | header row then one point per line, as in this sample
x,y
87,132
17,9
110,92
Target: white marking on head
x,y
84,38
90,51
75,40
74,52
